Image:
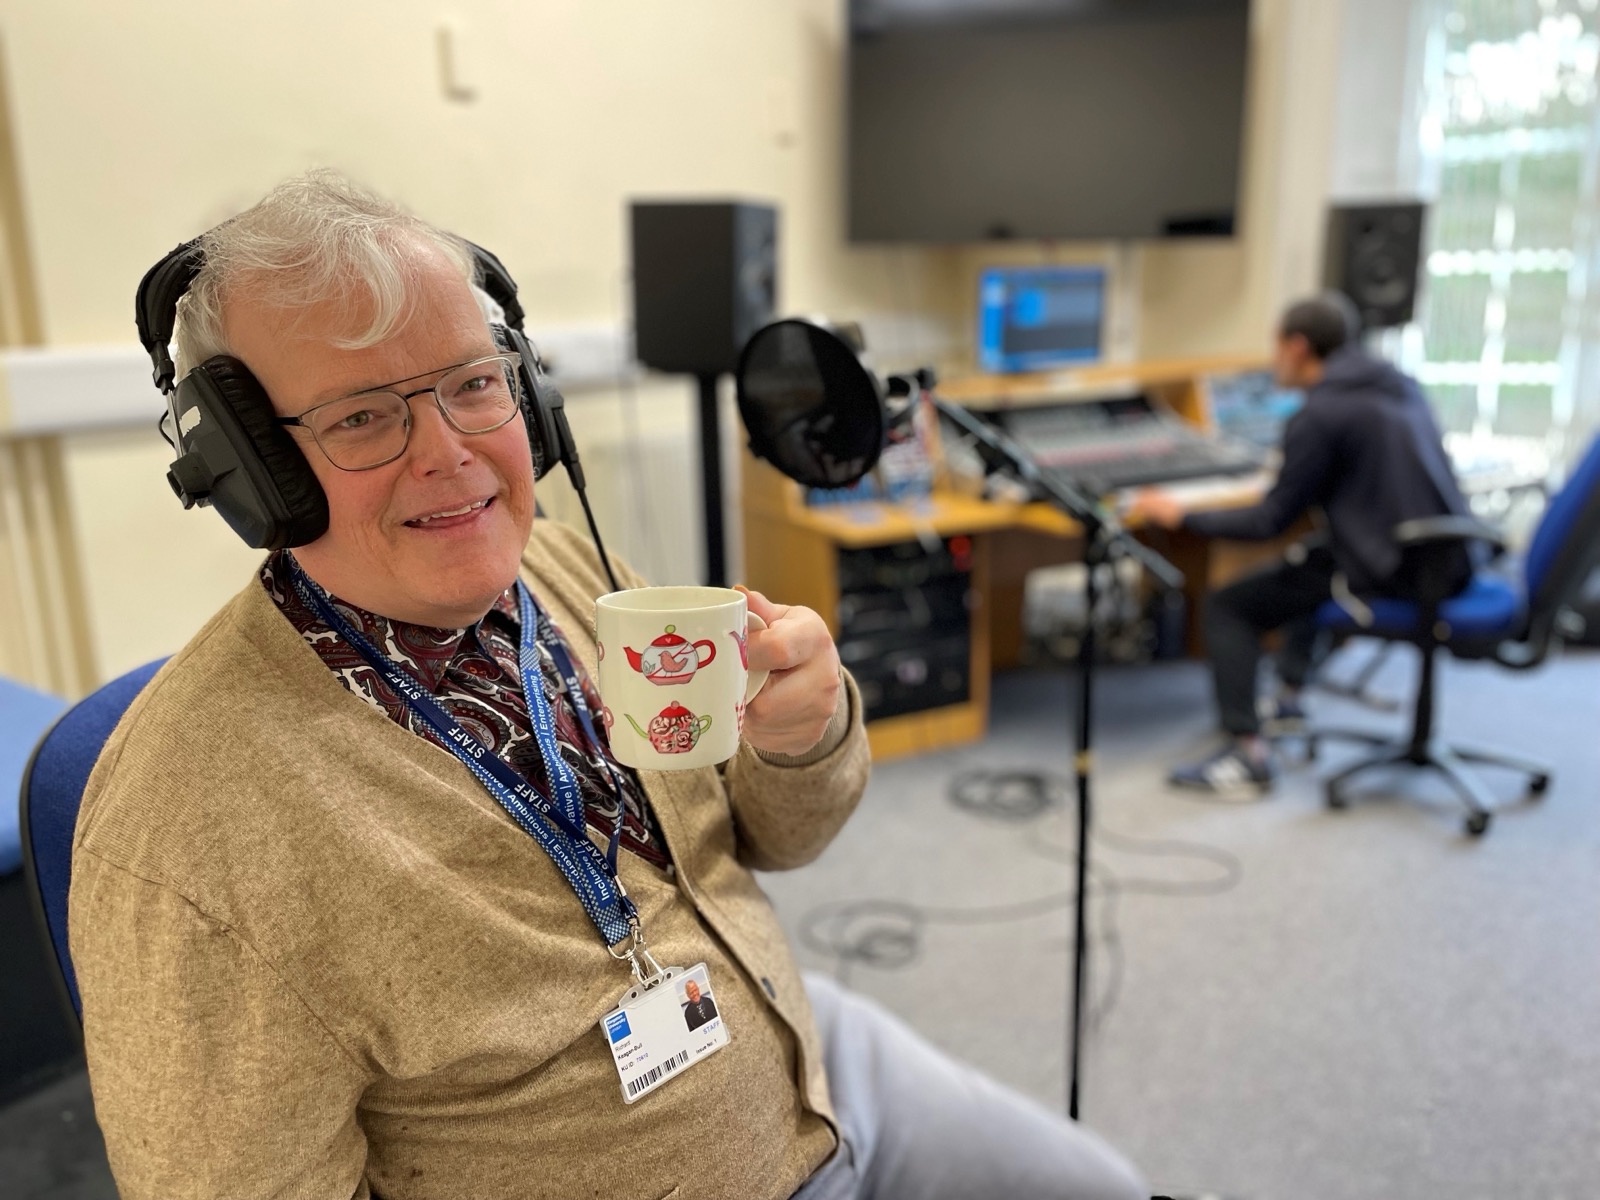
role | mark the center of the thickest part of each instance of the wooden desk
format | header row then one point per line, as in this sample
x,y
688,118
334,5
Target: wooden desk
x,y
791,551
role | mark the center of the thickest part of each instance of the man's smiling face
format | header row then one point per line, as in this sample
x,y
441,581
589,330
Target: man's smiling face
x,y
435,536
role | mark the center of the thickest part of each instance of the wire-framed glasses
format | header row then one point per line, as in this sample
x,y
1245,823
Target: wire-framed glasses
x,y
370,429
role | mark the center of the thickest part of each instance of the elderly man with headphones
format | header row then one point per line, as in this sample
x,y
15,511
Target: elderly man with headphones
x,y
330,921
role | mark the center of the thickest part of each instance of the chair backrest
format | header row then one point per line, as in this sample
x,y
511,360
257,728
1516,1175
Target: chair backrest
x,y
1565,546
25,713
52,789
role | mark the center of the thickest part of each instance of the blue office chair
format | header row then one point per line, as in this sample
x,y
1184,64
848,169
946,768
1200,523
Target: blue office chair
x,y
37,1039
1514,621
52,788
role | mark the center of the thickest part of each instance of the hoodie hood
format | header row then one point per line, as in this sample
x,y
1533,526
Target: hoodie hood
x,y
1352,369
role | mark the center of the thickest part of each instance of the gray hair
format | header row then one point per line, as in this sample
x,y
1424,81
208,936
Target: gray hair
x,y
311,238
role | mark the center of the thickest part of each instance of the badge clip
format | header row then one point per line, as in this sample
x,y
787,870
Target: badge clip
x,y
649,973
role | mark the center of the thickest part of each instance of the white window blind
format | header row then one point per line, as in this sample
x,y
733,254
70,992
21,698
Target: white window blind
x,y
1509,135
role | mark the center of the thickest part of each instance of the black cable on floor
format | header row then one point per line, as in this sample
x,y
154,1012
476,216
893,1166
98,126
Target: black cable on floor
x,y
888,934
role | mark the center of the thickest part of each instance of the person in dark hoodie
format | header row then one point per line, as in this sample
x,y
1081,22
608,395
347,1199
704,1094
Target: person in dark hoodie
x,y
1365,452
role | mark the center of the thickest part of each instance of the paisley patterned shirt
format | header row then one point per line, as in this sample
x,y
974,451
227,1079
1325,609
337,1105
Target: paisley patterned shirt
x,y
473,673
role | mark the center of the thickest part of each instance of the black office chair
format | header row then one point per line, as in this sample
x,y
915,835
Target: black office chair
x,y
1512,621
52,790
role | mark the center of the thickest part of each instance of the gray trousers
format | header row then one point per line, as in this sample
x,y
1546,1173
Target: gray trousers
x,y
919,1125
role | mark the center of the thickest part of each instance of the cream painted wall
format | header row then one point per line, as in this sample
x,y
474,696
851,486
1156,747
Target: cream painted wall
x,y
138,126
578,106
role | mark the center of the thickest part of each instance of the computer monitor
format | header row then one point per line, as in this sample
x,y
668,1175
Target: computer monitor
x,y
1034,318
1250,405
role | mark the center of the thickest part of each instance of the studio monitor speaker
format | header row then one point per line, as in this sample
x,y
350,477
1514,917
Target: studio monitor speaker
x,y
1373,255
705,277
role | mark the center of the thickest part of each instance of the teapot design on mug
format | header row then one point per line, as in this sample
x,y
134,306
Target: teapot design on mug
x,y
741,638
671,658
674,730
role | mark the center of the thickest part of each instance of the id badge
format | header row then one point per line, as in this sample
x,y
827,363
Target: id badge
x,y
657,1034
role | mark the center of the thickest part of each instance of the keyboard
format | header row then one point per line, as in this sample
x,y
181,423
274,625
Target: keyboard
x,y
1209,491
1109,466
1100,446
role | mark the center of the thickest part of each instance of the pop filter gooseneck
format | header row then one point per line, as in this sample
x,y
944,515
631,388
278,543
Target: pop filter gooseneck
x,y
816,413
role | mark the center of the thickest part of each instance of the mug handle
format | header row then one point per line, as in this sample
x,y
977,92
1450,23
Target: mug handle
x,y
758,679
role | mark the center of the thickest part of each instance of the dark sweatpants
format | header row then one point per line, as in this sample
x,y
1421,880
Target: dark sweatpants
x,y
1283,596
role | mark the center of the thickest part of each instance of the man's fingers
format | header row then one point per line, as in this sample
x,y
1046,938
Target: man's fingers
x,y
792,711
760,605
778,648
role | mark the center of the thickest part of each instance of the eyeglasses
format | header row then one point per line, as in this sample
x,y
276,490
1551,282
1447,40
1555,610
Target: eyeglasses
x,y
369,429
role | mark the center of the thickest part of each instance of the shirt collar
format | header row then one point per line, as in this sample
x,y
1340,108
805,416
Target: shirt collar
x,y
425,651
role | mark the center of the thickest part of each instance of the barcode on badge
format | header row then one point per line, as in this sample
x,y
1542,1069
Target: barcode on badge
x,y
635,1086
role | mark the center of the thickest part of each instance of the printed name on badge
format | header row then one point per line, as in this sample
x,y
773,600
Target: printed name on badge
x,y
656,1034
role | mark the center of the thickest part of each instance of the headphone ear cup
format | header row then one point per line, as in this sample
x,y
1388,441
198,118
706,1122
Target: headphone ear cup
x,y
542,433
542,437
262,484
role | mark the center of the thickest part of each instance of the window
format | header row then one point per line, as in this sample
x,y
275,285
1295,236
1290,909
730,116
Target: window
x,y
1509,131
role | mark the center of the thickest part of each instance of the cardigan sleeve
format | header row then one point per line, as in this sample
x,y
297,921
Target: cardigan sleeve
x,y
787,810
211,1077
1310,455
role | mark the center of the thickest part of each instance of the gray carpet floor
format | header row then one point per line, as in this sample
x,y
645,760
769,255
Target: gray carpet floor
x,y
50,1147
1378,1006
1300,1004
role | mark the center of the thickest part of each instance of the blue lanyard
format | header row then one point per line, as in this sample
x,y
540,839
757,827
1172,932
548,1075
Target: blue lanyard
x,y
531,613
592,874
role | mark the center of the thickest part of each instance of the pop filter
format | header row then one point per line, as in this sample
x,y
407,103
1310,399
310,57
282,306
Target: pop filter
x,y
809,405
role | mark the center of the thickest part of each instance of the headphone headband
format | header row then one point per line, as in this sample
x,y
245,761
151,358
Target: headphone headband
x,y
497,281
156,306
163,285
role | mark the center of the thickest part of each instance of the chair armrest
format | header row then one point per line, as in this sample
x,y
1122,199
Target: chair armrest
x,y
1424,531
1436,559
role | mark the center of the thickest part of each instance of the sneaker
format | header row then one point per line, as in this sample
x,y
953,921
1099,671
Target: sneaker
x,y
1229,772
1281,716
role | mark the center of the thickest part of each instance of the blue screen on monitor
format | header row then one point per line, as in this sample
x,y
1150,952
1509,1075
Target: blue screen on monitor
x,y
1034,318
1252,406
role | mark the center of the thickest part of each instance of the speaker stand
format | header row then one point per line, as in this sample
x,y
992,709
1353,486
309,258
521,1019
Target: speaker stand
x,y
711,481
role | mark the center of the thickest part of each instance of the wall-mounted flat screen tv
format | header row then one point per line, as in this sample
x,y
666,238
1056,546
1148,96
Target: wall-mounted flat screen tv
x,y
974,120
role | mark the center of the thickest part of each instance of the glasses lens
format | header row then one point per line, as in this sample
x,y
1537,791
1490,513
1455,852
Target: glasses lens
x,y
479,396
361,431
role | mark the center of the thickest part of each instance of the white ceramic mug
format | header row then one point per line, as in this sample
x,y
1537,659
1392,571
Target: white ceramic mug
x,y
674,674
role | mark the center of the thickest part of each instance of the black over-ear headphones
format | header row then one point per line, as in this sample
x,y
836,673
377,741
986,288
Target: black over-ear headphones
x,y
235,457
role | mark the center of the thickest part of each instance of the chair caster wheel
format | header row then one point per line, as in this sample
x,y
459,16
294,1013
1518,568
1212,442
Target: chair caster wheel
x,y
1478,824
1335,799
1538,785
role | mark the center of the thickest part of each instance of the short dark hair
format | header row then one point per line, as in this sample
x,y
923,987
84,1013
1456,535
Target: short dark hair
x,y
1327,322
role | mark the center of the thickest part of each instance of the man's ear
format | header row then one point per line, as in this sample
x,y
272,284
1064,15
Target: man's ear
x,y
1300,353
